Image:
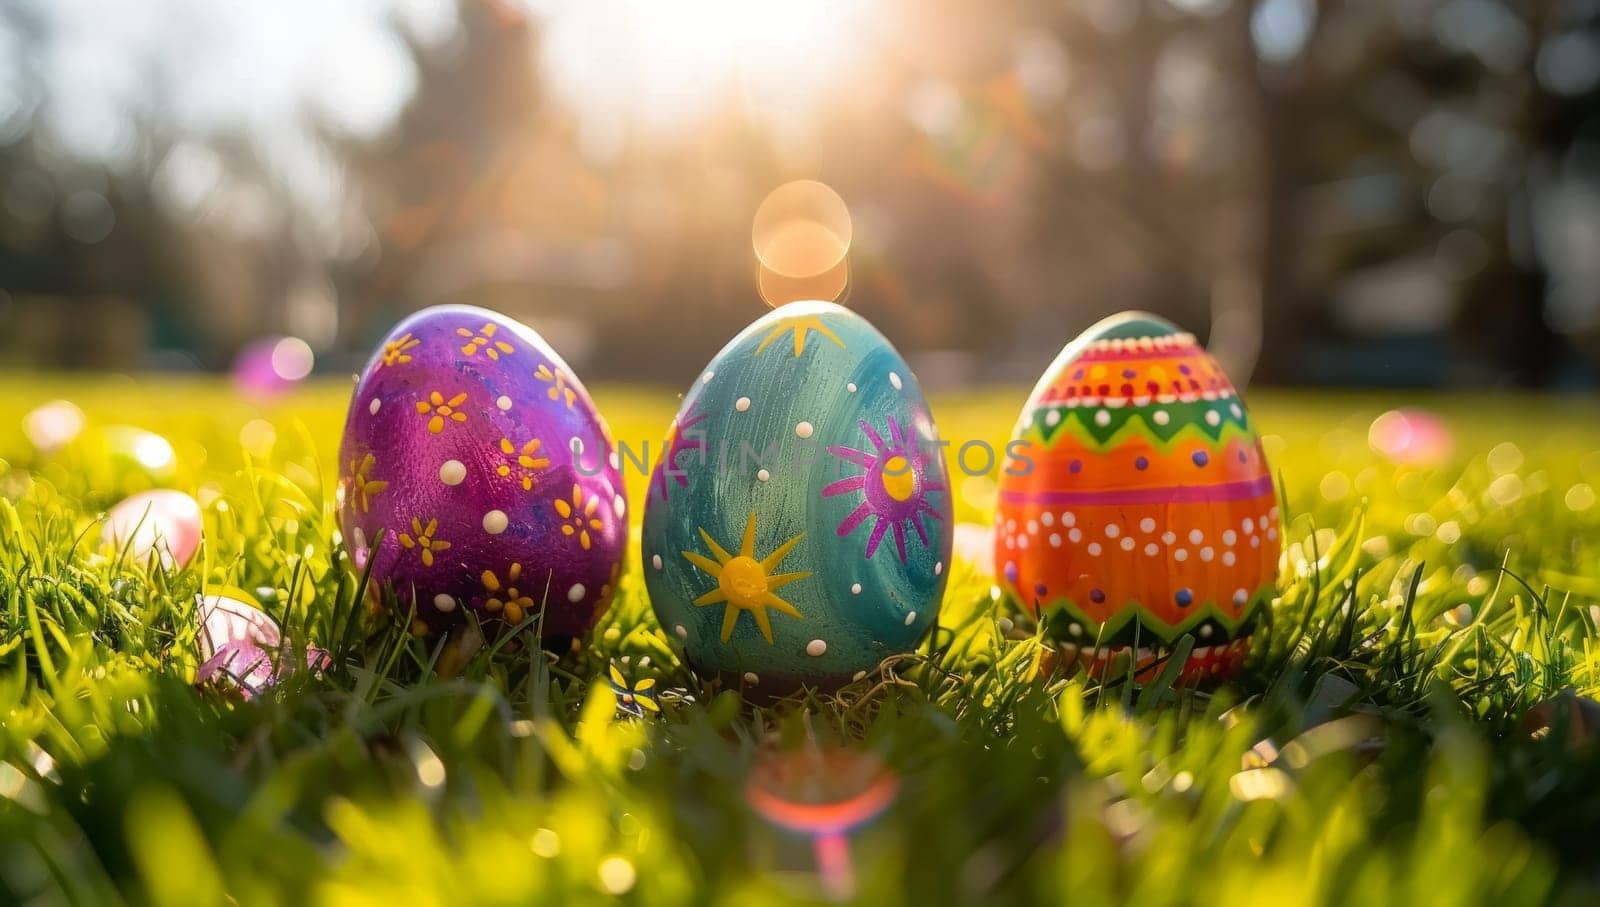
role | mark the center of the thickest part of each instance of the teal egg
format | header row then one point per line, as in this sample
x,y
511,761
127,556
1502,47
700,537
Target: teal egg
x,y
797,528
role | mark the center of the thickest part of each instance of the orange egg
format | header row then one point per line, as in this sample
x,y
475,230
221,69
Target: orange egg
x,y
1136,506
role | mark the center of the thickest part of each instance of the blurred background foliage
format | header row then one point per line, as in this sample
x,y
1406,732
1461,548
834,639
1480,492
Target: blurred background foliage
x,y
1333,191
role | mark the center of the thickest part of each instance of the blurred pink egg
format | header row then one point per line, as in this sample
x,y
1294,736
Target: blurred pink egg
x,y
1411,437
163,521
242,645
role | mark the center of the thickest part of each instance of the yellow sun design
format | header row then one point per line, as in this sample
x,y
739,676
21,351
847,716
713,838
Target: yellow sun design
x,y
746,584
801,325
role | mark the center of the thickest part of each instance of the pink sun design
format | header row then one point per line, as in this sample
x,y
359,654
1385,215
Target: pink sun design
x,y
676,444
894,488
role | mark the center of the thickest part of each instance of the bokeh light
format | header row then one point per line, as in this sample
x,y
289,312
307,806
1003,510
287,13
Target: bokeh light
x,y
827,286
1411,437
52,426
802,229
272,365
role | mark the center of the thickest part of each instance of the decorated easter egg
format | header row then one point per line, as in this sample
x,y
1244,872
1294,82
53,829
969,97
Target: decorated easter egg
x,y
797,527
478,475
243,648
161,522
1137,506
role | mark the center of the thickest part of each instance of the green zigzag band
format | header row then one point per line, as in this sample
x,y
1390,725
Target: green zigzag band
x,y
1187,419
1136,611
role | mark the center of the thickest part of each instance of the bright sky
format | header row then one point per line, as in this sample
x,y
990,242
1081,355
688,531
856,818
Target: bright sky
x,y
268,70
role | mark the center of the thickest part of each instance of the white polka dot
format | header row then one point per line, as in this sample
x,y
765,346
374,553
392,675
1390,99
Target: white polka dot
x,y
1196,536
444,603
1247,526
1255,541
576,593
1127,543
804,430
495,522
452,472
706,378
816,647
1229,537
911,618
1228,558
374,405
1055,540
894,379
1011,525
682,631
1094,549
1052,418
1169,537
1147,525
1075,535
1205,631
619,506
1022,541
1180,554
1113,530
1103,417
1240,596
1075,629
1047,518
1272,535
938,568
1206,554
1033,527
1261,522
763,475
742,404
655,561
1238,413
503,402
851,387
1151,549
751,678
855,588
1161,417
1213,418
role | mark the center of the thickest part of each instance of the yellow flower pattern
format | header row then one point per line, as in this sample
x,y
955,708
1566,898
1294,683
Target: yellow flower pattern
x,y
558,384
363,488
579,516
421,538
505,598
528,459
442,410
395,352
484,340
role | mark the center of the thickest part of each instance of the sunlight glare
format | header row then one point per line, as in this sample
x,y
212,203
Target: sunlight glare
x,y
669,64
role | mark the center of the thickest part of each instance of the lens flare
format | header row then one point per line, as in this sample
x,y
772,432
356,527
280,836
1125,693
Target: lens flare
x,y
801,230
825,795
827,286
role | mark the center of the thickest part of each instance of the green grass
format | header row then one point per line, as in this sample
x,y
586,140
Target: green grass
x,y
512,781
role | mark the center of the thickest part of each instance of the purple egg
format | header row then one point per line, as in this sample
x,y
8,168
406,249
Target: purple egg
x,y
479,457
